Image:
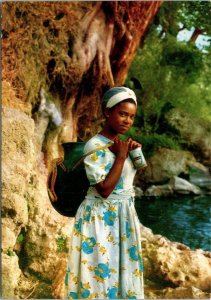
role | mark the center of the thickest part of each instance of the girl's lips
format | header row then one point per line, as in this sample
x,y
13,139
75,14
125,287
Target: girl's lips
x,y
124,127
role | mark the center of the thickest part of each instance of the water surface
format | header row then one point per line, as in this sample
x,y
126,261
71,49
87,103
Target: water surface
x,y
184,219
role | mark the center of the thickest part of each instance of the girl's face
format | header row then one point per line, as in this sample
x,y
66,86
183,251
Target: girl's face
x,y
121,117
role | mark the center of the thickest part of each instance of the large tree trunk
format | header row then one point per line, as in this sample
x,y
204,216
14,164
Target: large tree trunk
x,y
73,51
57,60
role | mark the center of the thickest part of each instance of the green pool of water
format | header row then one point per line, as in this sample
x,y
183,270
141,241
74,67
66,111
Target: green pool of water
x,y
184,219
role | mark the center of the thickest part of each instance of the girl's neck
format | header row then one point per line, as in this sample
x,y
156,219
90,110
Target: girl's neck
x,y
108,133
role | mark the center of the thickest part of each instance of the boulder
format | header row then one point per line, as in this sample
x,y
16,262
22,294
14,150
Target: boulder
x,y
195,131
159,190
174,263
8,237
200,177
26,210
10,274
153,291
138,192
166,163
182,186
184,293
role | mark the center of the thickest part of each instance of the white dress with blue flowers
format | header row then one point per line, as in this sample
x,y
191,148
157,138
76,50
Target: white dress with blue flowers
x,y
105,258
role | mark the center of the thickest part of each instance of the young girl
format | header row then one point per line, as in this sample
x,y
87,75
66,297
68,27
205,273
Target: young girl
x,y
105,260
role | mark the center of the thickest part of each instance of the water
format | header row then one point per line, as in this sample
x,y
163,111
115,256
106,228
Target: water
x,y
184,219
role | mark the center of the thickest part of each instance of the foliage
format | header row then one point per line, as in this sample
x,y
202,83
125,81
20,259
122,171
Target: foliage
x,y
10,252
151,142
196,14
61,243
20,238
37,42
154,141
168,73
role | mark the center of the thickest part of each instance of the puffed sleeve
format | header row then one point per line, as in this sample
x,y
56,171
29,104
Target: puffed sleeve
x,y
97,166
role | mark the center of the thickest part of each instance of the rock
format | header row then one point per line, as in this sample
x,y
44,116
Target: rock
x,y
15,206
195,131
45,254
8,238
154,291
17,157
17,138
182,186
200,177
175,263
29,285
159,190
10,275
185,293
26,207
138,192
166,163
9,98
17,164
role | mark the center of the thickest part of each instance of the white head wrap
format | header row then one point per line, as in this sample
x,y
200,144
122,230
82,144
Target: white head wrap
x,y
116,95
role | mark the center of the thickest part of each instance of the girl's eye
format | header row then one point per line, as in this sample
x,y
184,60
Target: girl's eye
x,y
122,114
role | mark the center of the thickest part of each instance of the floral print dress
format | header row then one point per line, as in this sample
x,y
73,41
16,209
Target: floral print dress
x,y
105,258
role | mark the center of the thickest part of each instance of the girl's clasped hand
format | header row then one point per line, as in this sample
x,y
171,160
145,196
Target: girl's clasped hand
x,y
122,148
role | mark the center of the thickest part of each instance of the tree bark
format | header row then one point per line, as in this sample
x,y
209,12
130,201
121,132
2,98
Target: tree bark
x,y
75,51
195,34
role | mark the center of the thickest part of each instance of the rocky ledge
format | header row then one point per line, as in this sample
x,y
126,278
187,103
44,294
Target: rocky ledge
x,y
173,270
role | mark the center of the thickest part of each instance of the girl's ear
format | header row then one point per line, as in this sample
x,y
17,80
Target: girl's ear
x,y
107,112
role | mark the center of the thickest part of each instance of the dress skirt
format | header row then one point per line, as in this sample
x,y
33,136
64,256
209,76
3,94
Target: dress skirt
x,y
105,257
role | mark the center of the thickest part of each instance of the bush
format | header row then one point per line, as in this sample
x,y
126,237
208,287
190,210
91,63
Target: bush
x,y
151,142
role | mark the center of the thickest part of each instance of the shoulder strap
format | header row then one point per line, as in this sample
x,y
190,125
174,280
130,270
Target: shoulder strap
x,y
52,177
91,152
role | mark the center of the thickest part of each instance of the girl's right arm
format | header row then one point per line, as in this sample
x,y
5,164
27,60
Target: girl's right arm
x,y
120,149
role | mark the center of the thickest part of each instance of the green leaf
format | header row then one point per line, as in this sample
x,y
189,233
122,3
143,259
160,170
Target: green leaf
x,y
20,238
10,252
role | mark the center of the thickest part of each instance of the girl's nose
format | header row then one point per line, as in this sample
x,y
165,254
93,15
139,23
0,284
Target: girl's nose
x,y
127,120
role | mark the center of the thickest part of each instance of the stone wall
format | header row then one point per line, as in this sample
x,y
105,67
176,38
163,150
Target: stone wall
x,y
34,235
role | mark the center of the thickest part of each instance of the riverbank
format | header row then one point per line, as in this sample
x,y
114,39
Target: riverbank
x,y
171,172
173,270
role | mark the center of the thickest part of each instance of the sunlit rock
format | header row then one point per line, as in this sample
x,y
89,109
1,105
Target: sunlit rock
x,y
8,238
10,274
174,262
138,192
194,130
183,186
201,178
159,190
185,293
166,163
